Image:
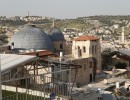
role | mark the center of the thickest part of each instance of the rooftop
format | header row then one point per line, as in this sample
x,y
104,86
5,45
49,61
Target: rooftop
x,y
110,83
38,53
9,61
68,58
85,38
125,52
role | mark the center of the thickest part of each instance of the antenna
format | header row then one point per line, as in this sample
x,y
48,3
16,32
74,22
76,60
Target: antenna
x,y
28,14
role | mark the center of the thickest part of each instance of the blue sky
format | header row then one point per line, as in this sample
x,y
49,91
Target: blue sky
x,y
64,8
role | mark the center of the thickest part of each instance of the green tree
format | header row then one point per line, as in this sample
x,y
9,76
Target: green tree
x,y
121,65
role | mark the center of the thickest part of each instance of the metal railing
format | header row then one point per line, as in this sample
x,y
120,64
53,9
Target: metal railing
x,y
42,88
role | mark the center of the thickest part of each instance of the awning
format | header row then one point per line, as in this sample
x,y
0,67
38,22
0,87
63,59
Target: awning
x,y
9,61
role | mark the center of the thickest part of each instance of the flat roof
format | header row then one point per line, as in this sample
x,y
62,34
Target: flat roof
x,y
86,38
39,53
111,82
8,61
69,57
125,52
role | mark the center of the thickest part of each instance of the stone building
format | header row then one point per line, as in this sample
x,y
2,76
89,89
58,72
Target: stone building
x,y
87,53
87,46
84,50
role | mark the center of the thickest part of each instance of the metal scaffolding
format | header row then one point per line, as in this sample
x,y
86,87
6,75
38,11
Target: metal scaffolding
x,y
28,82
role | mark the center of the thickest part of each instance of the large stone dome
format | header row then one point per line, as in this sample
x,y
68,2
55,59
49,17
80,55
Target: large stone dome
x,y
55,34
31,37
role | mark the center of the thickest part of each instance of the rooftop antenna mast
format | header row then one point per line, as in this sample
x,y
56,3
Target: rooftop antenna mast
x,y
28,14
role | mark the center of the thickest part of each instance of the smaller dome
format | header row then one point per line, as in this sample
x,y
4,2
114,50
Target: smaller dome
x,y
55,34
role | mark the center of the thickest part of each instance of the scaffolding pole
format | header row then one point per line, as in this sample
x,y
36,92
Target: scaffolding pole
x,y
0,81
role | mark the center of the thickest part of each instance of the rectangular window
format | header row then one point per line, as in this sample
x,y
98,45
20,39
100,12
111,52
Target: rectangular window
x,y
90,77
58,75
87,61
84,49
61,46
75,62
100,98
84,60
80,53
42,77
85,66
90,64
67,72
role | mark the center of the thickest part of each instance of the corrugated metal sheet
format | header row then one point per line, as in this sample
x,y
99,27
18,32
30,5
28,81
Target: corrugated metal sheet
x,y
125,52
9,61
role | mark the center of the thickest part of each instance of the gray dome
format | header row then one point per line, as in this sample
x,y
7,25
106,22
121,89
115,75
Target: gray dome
x,y
31,37
55,34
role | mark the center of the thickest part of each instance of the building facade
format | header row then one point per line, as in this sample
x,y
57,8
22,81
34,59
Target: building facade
x,y
86,52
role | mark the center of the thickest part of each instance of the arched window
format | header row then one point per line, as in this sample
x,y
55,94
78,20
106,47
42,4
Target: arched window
x,y
12,44
84,49
79,51
61,46
78,47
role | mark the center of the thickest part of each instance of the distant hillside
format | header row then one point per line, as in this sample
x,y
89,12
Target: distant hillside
x,y
76,23
82,23
108,20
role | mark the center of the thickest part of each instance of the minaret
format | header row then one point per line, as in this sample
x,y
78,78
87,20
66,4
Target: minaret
x,y
123,35
53,23
28,17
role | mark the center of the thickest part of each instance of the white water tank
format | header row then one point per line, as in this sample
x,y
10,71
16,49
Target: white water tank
x,y
61,56
117,85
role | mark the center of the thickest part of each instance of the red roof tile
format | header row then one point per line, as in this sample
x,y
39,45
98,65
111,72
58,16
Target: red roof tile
x,y
85,38
40,53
